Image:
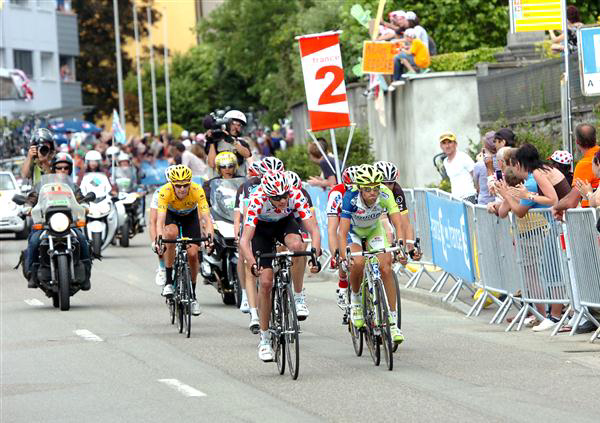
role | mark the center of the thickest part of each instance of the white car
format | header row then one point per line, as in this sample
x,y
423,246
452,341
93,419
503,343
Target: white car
x,y
11,218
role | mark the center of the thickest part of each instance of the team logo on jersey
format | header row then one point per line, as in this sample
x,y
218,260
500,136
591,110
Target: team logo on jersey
x,y
384,195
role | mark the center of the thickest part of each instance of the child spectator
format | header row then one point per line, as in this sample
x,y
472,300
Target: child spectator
x,y
412,58
562,160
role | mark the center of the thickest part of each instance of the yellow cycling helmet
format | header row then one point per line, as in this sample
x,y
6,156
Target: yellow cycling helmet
x,y
226,158
368,175
179,174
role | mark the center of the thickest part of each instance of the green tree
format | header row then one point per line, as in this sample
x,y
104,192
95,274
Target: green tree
x,y
96,65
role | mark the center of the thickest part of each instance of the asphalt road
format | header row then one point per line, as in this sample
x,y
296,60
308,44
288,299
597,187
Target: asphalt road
x,y
114,357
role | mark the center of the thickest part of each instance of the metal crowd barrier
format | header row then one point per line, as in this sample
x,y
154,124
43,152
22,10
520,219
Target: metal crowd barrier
x,y
583,251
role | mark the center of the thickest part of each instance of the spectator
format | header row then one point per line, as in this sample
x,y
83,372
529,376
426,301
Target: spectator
x,y
398,23
65,73
459,168
585,138
573,23
264,146
484,170
327,164
189,159
504,138
413,22
585,187
562,160
413,58
185,139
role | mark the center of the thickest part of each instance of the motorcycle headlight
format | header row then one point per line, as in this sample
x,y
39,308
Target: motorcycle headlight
x,y
59,222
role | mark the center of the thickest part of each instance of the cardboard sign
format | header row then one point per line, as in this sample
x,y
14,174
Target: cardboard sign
x,y
378,57
536,15
324,80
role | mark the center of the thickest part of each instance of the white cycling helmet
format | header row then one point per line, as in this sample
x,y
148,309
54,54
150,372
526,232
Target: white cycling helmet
x,y
93,156
293,179
388,170
112,150
275,183
271,163
123,157
236,114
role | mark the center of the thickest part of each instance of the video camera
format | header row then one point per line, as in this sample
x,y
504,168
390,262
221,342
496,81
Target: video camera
x,y
217,125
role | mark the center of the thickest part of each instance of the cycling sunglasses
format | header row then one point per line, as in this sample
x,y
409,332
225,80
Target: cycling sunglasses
x,y
376,188
181,186
280,197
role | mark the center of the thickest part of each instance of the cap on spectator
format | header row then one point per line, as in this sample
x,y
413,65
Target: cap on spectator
x,y
488,141
185,134
410,32
411,16
506,135
562,157
398,14
448,136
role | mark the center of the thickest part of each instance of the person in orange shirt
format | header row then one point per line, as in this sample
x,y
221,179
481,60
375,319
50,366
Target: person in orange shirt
x,y
585,137
413,58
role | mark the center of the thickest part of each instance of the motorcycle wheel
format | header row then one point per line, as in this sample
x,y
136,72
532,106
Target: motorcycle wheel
x,y
64,283
124,239
97,243
237,287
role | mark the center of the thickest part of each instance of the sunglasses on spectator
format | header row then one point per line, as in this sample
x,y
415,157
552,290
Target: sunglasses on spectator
x,y
370,188
181,186
62,168
44,150
229,166
280,197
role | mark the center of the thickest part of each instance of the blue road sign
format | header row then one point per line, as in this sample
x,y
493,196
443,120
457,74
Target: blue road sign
x,y
589,60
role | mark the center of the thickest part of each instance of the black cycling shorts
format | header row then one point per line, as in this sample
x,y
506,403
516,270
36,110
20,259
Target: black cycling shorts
x,y
267,233
189,223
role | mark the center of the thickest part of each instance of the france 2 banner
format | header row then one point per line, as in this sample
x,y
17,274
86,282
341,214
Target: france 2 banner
x,y
324,80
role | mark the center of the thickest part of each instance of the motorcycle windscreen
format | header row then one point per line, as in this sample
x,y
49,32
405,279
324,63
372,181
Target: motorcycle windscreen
x,y
97,183
56,190
125,179
222,197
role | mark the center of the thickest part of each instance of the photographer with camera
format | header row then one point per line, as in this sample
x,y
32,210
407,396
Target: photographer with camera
x,y
224,135
39,157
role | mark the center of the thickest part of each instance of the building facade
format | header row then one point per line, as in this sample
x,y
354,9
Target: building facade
x,y
41,38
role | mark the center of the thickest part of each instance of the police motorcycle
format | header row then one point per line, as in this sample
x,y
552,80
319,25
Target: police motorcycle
x,y
219,268
102,219
61,272
129,204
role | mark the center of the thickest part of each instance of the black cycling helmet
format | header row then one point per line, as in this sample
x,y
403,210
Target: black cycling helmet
x,y
62,158
42,136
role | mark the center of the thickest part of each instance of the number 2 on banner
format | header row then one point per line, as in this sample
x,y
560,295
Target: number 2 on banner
x,y
338,78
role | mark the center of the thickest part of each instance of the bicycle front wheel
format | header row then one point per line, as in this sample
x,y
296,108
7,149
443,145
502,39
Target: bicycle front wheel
x,y
398,309
277,341
186,301
356,334
369,317
291,331
384,325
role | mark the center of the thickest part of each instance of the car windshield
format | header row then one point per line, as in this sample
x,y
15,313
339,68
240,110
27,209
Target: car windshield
x,y
6,183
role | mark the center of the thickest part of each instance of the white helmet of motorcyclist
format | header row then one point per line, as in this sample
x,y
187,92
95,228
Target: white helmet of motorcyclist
x,y
123,157
237,115
112,151
93,156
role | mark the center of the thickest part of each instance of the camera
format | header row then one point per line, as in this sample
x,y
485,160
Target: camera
x,y
218,126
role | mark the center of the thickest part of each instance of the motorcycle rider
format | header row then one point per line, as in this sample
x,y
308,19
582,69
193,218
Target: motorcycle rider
x,y
62,164
39,157
232,141
226,164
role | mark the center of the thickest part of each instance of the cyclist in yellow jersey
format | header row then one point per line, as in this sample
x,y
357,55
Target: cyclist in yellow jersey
x,y
181,206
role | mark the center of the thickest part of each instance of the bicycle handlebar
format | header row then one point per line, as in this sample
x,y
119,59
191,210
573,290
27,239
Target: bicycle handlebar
x,y
314,260
372,252
184,239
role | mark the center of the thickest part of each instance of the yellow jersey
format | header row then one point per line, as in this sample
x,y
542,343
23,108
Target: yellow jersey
x,y
167,200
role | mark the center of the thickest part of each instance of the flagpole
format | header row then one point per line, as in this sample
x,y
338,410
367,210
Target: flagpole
x,y
119,67
167,82
139,74
153,77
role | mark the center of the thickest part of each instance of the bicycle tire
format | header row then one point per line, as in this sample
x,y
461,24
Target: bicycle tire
x,y
187,301
171,305
356,334
398,309
370,338
291,330
277,342
383,318
178,296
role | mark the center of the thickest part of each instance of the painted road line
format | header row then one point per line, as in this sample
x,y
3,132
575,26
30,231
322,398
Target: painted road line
x,y
184,389
87,335
34,302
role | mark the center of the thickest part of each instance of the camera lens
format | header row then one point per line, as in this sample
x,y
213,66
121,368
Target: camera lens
x,y
44,149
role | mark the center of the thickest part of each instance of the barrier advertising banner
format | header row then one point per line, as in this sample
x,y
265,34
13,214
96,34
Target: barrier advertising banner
x,y
319,199
324,80
451,243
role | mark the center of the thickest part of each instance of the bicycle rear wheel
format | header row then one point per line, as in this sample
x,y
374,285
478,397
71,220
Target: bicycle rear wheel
x,y
277,341
368,316
290,328
356,334
381,307
398,309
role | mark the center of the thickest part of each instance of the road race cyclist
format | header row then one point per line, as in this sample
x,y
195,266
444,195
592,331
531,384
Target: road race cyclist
x,y
361,210
273,207
390,174
182,202
333,210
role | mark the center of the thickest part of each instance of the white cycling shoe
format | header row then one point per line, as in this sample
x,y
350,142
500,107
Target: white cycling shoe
x,y
161,276
196,308
301,309
265,351
167,290
254,325
245,307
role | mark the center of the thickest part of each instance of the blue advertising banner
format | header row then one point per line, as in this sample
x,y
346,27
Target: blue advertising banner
x,y
319,199
154,173
450,240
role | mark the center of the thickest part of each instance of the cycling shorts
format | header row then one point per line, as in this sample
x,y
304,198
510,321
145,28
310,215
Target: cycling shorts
x,y
189,223
267,233
375,239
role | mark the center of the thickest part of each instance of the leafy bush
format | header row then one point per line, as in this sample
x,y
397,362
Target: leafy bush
x,y
176,129
296,158
444,185
463,61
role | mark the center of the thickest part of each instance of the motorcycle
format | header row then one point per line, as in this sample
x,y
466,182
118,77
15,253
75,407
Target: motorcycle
x,y
61,272
129,207
220,267
102,221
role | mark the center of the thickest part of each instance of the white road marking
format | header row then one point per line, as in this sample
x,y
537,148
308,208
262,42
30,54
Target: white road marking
x,y
87,335
184,389
34,302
